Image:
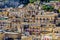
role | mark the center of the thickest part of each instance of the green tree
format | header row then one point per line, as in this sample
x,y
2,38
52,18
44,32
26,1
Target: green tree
x,y
59,10
59,0
32,1
53,0
47,8
45,0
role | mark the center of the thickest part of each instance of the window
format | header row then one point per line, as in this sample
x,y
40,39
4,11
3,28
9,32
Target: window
x,y
49,25
18,38
59,15
40,19
26,26
26,20
44,19
42,25
41,13
36,18
35,39
9,39
56,32
47,19
33,15
58,25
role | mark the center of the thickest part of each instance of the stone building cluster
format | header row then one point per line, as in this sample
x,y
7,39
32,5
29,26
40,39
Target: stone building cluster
x,y
29,23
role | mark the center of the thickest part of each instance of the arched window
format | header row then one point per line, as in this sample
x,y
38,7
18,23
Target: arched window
x,y
44,19
33,15
40,19
47,19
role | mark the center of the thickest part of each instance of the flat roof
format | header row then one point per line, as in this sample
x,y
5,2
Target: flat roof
x,y
11,33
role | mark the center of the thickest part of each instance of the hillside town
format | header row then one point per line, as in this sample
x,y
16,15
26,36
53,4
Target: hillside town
x,y
34,20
